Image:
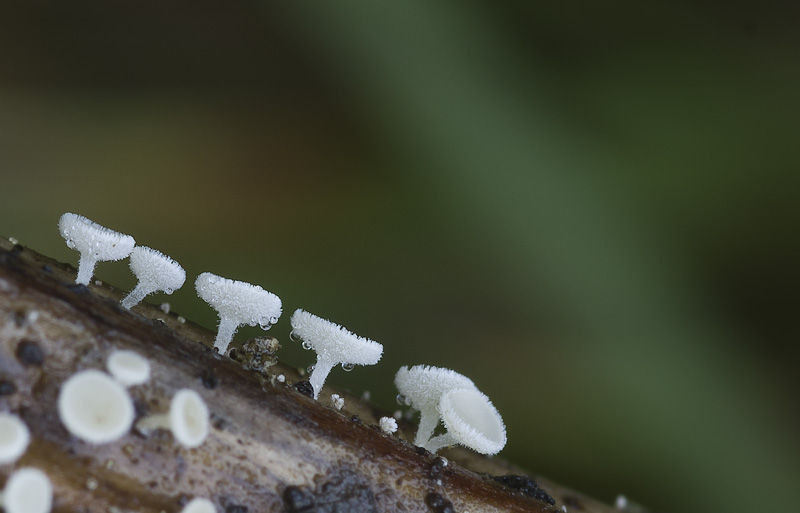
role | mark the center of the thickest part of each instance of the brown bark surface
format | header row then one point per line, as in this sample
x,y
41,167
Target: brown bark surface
x,y
271,448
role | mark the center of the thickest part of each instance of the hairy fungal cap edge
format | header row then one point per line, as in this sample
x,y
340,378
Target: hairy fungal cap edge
x,y
94,407
422,386
128,367
333,344
28,490
94,242
155,271
14,438
472,421
237,303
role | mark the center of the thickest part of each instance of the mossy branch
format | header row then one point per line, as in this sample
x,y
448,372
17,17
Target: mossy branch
x,y
271,447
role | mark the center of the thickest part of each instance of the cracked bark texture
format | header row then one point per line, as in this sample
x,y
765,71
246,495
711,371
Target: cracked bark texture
x,y
271,448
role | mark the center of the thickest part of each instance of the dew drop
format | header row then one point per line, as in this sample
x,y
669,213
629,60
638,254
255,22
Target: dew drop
x,y
168,290
347,367
401,399
306,345
293,336
310,369
273,320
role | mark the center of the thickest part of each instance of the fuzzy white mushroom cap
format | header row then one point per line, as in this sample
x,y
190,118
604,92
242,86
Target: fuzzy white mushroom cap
x,y
388,425
14,438
422,387
472,421
128,367
94,407
333,344
188,418
199,505
237,303
28,490
94,242
155,271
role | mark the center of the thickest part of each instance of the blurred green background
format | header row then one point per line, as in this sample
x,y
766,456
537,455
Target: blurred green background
x,y
591,209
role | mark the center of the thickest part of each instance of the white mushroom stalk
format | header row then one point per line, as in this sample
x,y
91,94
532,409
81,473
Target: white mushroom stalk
x,y
14,438
187,419
94,407
156,272
28,490
128,367
333,344
472,421
422,387
237,303
94,242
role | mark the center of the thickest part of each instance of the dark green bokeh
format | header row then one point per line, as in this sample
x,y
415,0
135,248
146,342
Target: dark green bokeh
x,y
589,210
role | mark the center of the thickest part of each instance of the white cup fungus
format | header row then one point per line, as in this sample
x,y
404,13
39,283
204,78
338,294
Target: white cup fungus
x,y
94,407
128,367
28,490
333,344
94,242
422,387
471,420
187,419
199,505
14,438
155,271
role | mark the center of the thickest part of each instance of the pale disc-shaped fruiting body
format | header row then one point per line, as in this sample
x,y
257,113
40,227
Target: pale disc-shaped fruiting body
x,y
28,490
199,505
237,303
472,421
155,272
128,367
422,386
14,438
187,419
94,242
333,344
94,407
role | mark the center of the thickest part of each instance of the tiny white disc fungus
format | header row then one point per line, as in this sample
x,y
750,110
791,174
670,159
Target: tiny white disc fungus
x,y
237,303
94,242
333,344
199,505
28,490
188,419
155,271
128,367
337,401
388,425
471,420
422,387
94,407
14,438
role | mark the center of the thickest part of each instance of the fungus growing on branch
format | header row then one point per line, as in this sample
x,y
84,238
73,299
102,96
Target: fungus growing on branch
x,y
199,505
94,242
237,303
128,367
333,344
422,387
94,407
14,438
188,419
471,420
28,490
155,271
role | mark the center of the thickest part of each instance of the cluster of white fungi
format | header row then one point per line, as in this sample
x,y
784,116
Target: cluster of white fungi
x,y
95,406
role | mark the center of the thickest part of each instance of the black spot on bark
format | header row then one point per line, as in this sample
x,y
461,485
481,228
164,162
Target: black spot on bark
x,y
525,485
7,387
210,381
439,504
30,353
305,388
297,499
235,508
